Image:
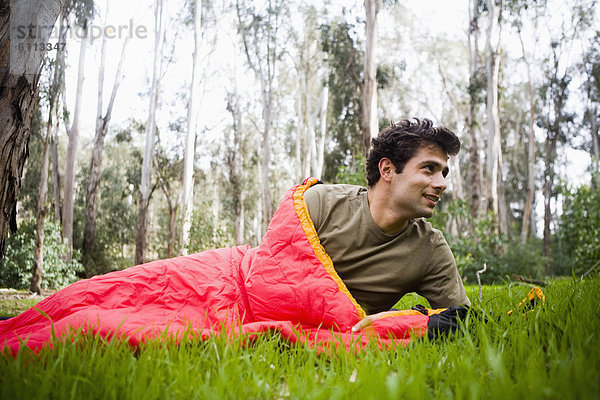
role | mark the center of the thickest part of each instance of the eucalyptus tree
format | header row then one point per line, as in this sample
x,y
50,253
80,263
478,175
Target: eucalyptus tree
x,y
261,36
369,87
102,123
38,257
590,68
311,93
475,90
494,149
145,185
557,119
187,195
344,113
73,146
19,94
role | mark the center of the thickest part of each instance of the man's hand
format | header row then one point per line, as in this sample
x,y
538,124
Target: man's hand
x,y
368,320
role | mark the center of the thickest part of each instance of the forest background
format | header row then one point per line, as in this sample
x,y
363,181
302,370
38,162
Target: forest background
x,y
170,127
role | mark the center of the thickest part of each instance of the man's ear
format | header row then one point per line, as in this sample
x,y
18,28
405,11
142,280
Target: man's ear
x,y
386,169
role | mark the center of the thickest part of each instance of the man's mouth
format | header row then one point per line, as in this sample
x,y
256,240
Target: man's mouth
x,y
431,197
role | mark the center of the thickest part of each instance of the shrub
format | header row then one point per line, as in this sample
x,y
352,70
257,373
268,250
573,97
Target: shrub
x,y
577,244
206,233
17,265
504,256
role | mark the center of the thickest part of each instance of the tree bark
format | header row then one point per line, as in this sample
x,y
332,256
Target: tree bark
x,y
474,171
190,142
19,75
73,133
235,162
317,170
369,92
494,144
263,62
530,195
89,233
144,198
55,175
38,256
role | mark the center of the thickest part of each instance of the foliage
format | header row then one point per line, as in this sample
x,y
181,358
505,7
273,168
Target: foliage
x,y
17,265
117,212
578,236
486,245
205,233
344,116
354,174
551,353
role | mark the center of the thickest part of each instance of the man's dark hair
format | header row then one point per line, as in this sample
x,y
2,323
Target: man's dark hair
x,y
402,140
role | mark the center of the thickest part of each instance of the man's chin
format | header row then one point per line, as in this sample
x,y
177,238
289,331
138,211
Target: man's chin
x,y
427,213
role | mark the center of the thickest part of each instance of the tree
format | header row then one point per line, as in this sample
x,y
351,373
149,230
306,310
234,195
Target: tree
x,y
54,91
102,122
526,226
344,118
494,148
192,126
259,32
234,160
554,95
145,190
474,89
369,88
311,103
73,133
19,77
590,66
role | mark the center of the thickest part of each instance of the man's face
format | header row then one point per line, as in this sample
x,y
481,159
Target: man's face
x,y
417,189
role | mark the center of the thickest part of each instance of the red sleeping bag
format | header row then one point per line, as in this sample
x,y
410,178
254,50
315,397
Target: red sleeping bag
x,y
287,284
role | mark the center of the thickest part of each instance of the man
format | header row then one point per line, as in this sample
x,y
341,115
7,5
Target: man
x,y
380,245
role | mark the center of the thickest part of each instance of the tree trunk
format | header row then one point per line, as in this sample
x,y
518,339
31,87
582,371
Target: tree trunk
x,y
144,199
89,233
267,208
530,195
550,147
301,155
474,171
492,111
55,174
19,75
369,92
494,168
235,163
73,132
263,62
192,124
38,254
317,170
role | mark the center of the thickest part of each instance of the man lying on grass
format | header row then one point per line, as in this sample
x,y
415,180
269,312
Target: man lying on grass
x,y
380,245
332,263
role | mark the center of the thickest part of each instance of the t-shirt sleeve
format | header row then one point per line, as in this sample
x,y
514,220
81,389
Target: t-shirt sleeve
x,y
442,285
312,198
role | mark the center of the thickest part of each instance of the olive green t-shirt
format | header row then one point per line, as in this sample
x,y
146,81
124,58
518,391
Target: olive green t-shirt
x,y
378,269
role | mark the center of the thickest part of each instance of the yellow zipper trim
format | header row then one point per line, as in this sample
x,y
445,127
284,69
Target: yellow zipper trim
x,y
399,313
313,238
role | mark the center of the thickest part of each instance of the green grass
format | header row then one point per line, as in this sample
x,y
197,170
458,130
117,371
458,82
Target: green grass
x,y
552,353
13,302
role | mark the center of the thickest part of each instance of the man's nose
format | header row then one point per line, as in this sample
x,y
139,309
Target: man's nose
x,y
439,182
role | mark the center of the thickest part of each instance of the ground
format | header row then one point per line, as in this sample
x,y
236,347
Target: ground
x,y
13,302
